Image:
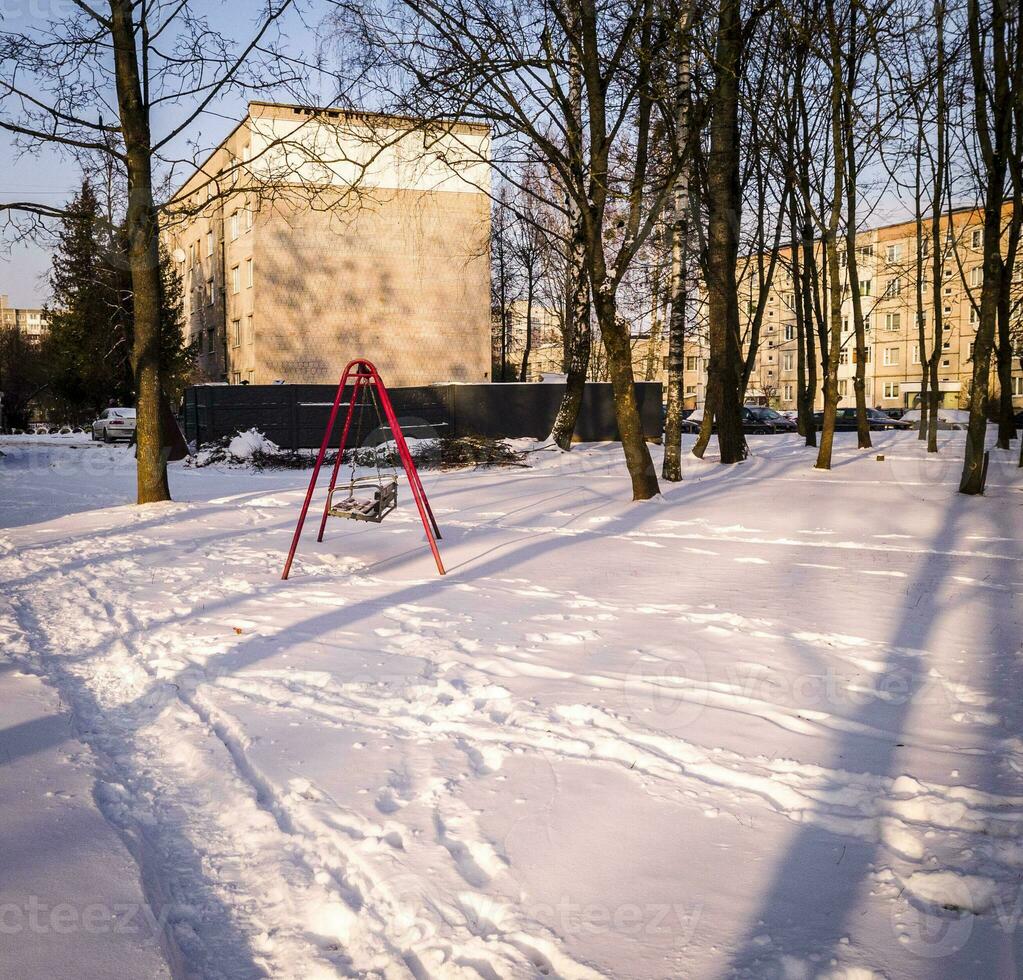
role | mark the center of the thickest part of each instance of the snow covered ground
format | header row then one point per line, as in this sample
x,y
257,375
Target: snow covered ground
x,y
768,725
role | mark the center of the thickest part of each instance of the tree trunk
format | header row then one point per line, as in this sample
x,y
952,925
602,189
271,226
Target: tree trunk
x,y
994,164
671,468
630,427
578,338
725,369
831,248
142,234
918,291
937,244
524,370
852,55
1006,415
580,341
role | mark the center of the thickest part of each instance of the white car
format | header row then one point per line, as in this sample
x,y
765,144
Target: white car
x,y
114,423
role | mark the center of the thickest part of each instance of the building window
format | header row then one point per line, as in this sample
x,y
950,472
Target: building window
x,y
970,355
248,219
915,354
788,392
1017,385
843,387
866,359
209,291
843,356
692,362
236,277
690,389
234,225
892,288
893,253
866,287
866,251
786,362
977,238
893,321
977,275
891,389
248,273
249,331
790,331
209,244
236,326
946,363
891,356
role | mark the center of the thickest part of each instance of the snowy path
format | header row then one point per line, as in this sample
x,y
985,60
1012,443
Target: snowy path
x,y
767,725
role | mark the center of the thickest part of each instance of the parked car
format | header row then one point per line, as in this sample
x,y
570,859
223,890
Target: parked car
x,y
877,421
114,423
756,420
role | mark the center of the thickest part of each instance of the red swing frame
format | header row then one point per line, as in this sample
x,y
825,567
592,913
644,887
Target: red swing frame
x,y
365,375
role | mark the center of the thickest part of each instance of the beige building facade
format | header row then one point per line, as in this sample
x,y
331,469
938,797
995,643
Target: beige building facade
x,y
312,237
887,273
31,322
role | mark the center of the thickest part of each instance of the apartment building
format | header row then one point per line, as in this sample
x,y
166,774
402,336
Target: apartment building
x,y
31,322
886,263
311,237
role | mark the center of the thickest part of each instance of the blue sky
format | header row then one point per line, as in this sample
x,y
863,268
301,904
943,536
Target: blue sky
x,y
49,178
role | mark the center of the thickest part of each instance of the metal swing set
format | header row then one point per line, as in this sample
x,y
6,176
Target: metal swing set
x,y
368,498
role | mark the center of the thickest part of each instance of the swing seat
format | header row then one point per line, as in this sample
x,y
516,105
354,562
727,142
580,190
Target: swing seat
x,y
380,503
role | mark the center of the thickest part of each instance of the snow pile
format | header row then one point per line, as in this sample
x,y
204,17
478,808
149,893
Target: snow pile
x,y
247,444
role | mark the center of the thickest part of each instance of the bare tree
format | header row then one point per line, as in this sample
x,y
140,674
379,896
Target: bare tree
x,y
512,65
994,39
91,82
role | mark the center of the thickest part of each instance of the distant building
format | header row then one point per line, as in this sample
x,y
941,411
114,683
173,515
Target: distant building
x,y
31,322
886,261
311,237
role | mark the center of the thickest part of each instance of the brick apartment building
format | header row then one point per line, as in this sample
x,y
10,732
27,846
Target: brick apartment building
x,y
31,322
887,273
310,237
